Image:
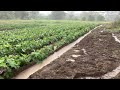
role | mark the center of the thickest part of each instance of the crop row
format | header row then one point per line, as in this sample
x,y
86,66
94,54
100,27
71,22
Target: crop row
x,y
22,46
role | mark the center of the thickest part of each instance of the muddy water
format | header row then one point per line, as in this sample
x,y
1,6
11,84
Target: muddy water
x,y
26,73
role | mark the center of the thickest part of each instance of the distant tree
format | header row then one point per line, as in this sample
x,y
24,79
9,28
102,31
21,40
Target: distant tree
x,y
111,15
88,15
34,14
117,18
116,22
83,14
22,14
17,14
83,19
100,18
70,15
91,18
6,14
57,15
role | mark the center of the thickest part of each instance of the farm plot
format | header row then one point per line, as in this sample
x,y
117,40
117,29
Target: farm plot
x,y
23,42
97,55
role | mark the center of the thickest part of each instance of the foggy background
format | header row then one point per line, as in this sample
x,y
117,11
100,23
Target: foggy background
x,y
61,15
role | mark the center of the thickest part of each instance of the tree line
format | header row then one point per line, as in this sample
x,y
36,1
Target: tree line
x,y
19,15
57,15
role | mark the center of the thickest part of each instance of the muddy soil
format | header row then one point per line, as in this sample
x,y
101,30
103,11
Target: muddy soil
x,y
118,36
96,55
117,76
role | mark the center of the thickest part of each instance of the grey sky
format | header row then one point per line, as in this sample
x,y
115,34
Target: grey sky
x,y
45,12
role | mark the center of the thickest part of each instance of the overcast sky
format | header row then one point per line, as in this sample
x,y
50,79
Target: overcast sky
x,y
45,12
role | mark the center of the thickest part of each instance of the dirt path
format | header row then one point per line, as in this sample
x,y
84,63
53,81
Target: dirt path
x,y
96,55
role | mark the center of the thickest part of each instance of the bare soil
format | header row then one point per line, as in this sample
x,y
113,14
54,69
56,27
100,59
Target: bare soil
x,y
118,36
117,77
97,54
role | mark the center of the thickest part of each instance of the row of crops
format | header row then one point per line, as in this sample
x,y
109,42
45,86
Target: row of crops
x,y
33,41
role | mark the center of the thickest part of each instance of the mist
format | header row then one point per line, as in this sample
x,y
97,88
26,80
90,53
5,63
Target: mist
x,y
61,15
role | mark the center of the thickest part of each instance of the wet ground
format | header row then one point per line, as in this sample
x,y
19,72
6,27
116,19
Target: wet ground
x,y
117,34
97,54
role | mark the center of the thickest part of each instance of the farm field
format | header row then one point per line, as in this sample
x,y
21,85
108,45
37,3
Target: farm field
x,y
96,56
26,41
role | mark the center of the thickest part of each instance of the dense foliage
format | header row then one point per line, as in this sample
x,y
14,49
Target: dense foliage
x,y
22,42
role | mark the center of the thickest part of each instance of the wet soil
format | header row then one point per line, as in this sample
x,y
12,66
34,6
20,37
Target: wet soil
x,y
97,54
118,36
117,76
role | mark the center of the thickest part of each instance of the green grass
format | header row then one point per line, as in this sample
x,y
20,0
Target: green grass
x,y
25,41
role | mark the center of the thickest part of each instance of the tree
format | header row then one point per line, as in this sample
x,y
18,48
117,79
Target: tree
x,y
6,14
34,14
88,15
70,15
21,14
57,15
83,19
100,18
116,22
91,18
111,15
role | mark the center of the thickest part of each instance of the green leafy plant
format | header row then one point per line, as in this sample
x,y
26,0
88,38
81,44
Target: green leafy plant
x,y
33,41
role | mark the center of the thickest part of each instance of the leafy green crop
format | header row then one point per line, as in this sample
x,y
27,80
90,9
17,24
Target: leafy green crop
x,y
33,41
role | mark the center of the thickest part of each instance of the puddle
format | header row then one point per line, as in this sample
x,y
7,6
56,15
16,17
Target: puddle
x,y
26,73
